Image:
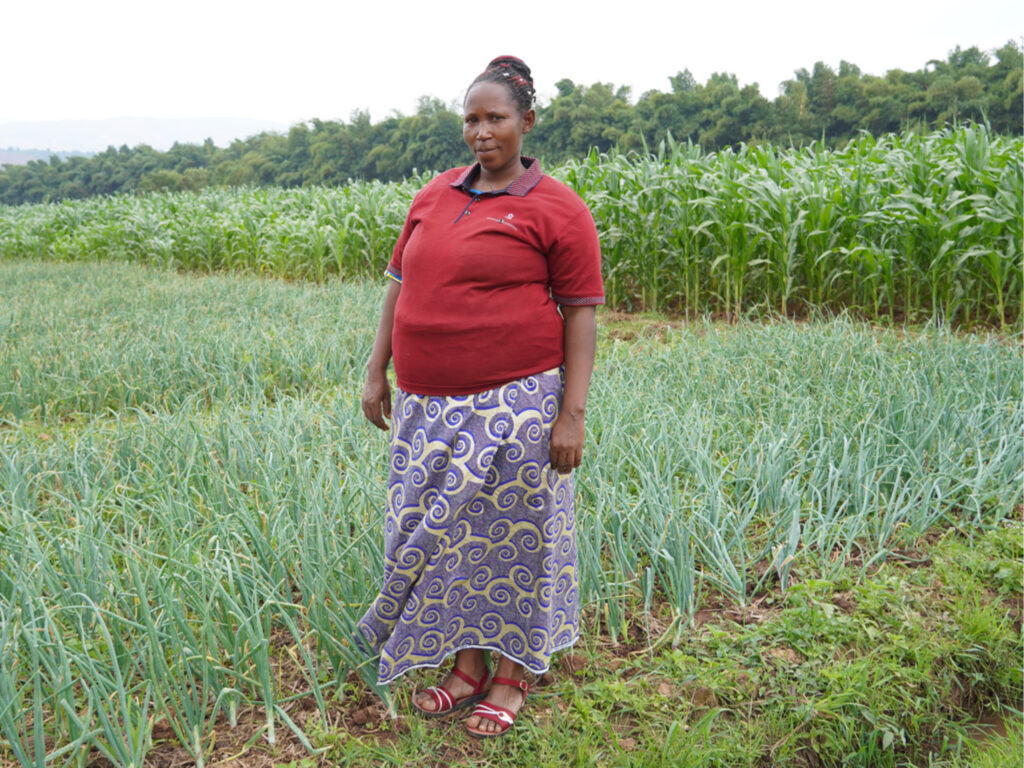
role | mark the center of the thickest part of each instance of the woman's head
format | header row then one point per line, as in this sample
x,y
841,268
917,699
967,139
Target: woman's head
x,y
512,74
496,114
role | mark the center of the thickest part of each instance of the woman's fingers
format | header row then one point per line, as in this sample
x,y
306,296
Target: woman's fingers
x,y
566,444
372,416
566,458
567,436
377,419
376,402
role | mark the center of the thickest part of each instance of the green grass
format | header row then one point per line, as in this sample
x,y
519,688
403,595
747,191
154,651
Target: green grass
x,y
876,671
190,507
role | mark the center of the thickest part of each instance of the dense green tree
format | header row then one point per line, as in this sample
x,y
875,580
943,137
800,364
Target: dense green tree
x,y
850,102
161,181
295,162
580,118
327,150
1003,84
658,114
430,139
817,104
731,115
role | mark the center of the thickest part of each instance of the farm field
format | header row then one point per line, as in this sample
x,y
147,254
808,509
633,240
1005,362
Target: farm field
x,y
800,542
894,229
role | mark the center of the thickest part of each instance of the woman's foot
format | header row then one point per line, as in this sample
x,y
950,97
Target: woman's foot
x,y
471,663
500,695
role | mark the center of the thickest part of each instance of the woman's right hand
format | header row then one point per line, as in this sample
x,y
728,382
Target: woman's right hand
x,y
377,398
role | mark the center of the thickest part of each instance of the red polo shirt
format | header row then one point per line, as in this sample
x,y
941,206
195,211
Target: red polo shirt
x,y
482,277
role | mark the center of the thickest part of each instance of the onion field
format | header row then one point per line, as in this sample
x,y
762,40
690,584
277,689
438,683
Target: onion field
x,y
191,502
891,229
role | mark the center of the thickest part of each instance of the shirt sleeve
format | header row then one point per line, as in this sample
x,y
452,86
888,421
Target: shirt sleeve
x,y
574,263
394,267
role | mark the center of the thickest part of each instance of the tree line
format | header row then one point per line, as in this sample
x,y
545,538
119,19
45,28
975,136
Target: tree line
x,y
817,105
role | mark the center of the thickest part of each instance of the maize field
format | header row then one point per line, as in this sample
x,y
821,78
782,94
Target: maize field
x,y
899,228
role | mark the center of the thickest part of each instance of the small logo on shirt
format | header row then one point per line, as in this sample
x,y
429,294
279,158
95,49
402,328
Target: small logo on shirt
x,y
505,220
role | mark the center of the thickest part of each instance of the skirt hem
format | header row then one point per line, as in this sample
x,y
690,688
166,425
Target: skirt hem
x,y
496,649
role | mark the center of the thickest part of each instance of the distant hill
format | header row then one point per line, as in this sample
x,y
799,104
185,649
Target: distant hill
x,y
83,136
11,156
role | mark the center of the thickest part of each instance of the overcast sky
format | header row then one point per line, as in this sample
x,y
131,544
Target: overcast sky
x,y
292,60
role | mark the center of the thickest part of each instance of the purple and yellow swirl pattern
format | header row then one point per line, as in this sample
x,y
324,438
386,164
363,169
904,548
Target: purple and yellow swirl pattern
x,y
480,532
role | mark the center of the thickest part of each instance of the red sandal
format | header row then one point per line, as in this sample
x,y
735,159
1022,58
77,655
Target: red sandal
x,y
445,702
503,717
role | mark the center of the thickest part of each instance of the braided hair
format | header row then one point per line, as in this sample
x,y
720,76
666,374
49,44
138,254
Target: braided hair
x,y
515,76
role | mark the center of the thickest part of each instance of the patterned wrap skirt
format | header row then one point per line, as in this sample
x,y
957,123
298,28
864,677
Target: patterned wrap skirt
x,y
480,536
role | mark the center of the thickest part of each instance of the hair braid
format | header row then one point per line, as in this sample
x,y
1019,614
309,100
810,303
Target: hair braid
x,y
512,73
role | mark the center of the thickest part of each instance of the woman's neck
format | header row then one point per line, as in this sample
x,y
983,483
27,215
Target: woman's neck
x,y
486,182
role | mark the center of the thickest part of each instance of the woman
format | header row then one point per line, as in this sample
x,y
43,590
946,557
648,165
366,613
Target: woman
x,y
489,316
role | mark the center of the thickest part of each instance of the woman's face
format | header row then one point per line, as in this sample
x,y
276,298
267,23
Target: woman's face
x,y
493,127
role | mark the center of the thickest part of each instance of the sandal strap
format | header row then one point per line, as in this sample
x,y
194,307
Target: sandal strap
x,y
440,694
522,685
494,713
478,685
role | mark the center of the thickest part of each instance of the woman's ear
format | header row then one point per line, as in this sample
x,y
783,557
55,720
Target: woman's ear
x,y
529,119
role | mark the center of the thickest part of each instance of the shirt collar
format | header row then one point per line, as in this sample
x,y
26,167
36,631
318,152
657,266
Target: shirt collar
x,y
527,180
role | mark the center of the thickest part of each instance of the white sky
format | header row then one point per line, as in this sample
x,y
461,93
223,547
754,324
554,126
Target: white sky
x,y
293,60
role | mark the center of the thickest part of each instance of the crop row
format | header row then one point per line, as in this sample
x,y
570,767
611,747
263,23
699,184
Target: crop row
x,y
191,501
903,227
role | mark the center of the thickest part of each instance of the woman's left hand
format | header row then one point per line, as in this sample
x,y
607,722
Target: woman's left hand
x,y
567,442
567,431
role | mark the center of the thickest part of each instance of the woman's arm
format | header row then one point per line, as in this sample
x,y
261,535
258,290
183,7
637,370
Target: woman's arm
x,y
580,343
376,390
